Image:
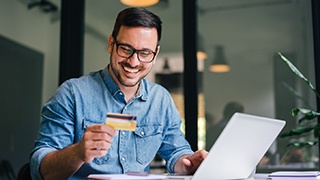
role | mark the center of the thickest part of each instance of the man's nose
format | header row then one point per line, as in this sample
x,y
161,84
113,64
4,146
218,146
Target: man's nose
x,y
134,60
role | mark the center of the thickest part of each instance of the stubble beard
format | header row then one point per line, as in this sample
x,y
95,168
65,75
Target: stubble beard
x,y
119,78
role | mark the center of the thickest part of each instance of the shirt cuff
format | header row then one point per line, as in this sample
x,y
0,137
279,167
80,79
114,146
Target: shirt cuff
x,y
35,161
173,160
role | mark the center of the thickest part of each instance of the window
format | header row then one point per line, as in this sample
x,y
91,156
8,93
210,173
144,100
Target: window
x,y
248,34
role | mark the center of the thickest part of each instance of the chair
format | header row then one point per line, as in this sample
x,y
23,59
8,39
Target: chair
x,y
6,170
24,172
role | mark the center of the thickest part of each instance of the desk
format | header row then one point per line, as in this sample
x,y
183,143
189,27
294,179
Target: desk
x,y
157,177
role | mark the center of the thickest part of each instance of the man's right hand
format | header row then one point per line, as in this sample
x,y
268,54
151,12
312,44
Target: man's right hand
x,y
61,164
96,141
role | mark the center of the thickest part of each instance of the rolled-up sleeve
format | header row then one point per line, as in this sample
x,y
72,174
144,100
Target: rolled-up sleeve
x,y
174,144
56,129
36,157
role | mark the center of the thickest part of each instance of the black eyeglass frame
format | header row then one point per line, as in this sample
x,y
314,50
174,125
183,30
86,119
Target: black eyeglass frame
x,y
134,51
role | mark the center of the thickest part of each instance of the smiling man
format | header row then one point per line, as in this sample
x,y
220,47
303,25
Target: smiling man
x,y
128,66
74,140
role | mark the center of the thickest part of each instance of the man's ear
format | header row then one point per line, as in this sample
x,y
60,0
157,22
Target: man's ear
x,y
110,44
158,49
155,58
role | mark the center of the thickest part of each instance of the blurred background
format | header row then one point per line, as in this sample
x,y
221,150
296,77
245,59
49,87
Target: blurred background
x,y
242,34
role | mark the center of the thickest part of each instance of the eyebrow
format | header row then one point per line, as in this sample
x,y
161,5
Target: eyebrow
x,y
129,45
143,49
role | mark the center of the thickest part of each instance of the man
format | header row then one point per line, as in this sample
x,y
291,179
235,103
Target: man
x,y
74,140
214,130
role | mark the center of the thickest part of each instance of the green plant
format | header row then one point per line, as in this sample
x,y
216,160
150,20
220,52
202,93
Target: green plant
x,y
307,122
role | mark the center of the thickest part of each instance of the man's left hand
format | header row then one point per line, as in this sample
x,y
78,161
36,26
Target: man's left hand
x,y
190,163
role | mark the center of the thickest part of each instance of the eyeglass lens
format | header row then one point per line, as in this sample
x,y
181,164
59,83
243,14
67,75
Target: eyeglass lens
x,y
126,51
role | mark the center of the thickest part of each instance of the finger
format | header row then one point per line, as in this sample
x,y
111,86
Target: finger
x,y
187,164
102,128
97,152
198,156
102,137
90,150
193,162
100,145
90,136
90,145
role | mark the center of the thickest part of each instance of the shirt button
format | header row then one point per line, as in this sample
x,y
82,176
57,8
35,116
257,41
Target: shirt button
x,y
123,133
142,133
120,93
122,158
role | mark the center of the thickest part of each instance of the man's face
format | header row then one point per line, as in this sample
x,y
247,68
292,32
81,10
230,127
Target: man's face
x,y
128,72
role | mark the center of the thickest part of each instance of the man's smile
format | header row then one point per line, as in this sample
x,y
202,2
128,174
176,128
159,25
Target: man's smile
x,y
131,70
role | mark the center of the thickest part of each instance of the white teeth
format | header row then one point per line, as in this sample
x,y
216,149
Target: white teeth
x,y
130,70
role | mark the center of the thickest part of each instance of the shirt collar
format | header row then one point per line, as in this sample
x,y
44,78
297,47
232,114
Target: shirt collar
x,y
114,89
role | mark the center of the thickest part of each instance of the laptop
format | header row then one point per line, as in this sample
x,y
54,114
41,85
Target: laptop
x,y
240,147
234,155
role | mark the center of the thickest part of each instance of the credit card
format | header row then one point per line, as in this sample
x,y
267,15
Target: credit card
x,y
121,121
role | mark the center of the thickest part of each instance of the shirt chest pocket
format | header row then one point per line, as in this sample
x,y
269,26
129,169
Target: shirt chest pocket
x,y
148,140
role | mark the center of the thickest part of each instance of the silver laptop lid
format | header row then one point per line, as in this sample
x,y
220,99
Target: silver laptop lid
x,y
240,147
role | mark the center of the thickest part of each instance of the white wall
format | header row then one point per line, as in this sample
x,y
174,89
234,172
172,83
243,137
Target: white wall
x,y
36,30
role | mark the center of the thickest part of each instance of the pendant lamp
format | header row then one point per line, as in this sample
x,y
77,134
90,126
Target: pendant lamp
x,y
219,64
139,3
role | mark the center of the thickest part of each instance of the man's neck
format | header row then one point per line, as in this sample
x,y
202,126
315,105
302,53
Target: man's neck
x,y
129,92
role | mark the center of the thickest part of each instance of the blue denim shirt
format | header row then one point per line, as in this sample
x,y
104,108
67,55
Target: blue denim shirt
x,y
79,103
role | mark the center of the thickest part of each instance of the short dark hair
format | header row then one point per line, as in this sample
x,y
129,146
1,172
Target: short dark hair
x,y
231,108
135,17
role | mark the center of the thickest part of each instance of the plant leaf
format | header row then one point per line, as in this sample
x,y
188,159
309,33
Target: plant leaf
x,y
297,131
299,74
307,114
301,144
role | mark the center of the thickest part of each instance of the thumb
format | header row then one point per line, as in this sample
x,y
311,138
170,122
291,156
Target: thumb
x,y
186,164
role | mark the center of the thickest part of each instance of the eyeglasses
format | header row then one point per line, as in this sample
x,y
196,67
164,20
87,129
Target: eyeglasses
x,y
126,51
